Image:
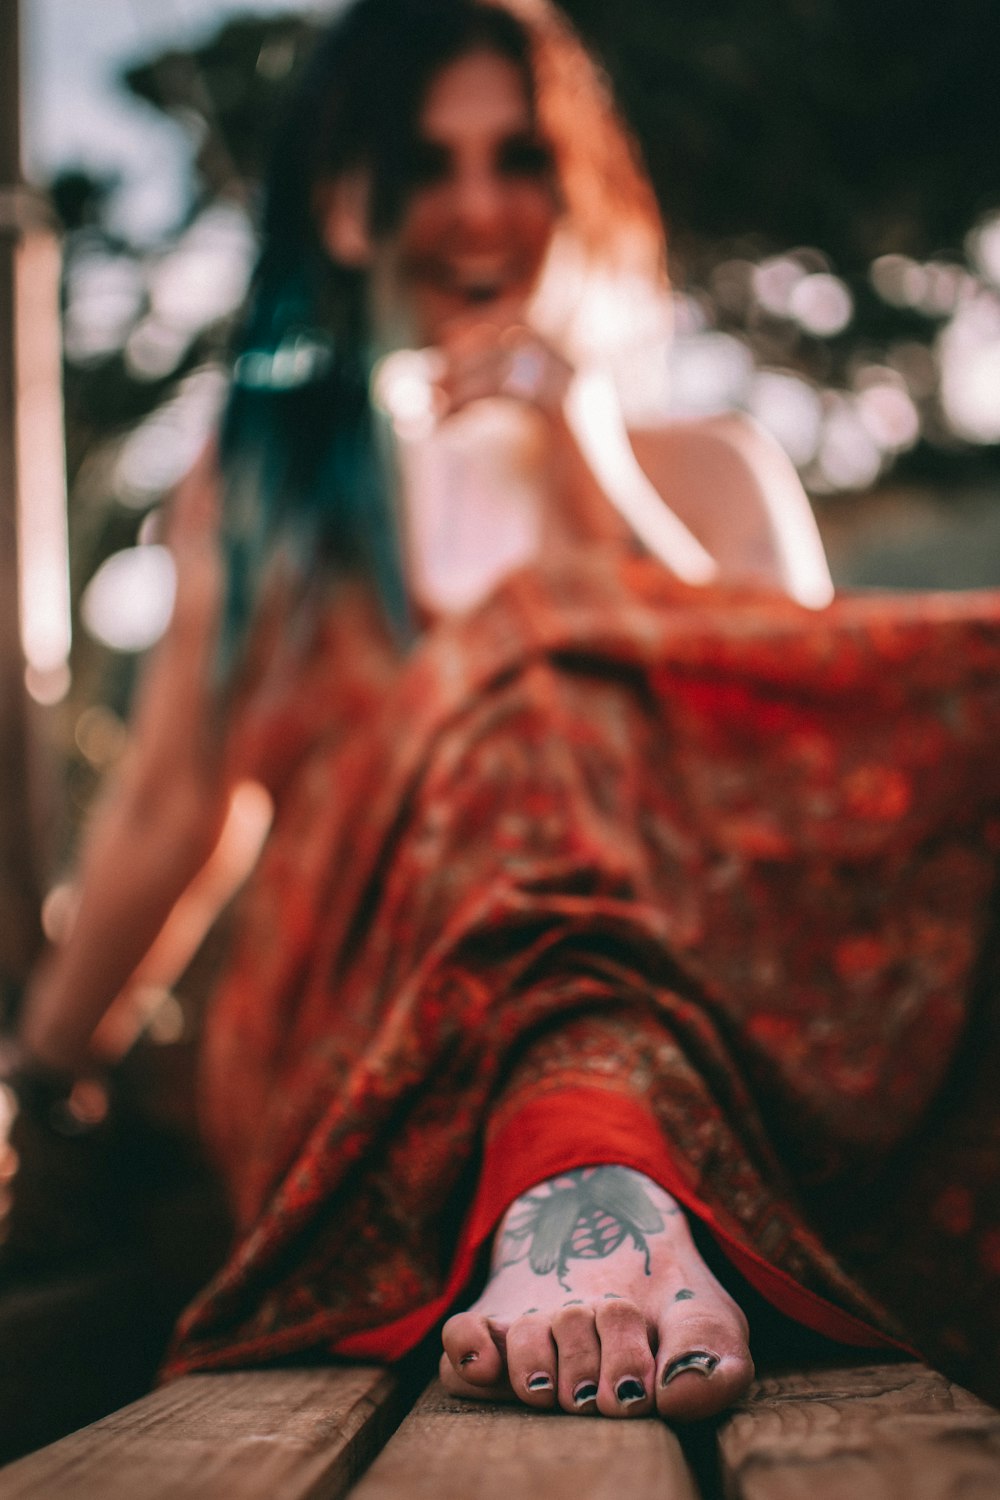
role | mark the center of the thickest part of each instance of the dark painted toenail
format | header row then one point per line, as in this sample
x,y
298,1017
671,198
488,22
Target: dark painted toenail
x,y
629,1390
539,1382
470,1358
684,1295
584,1392
696,1360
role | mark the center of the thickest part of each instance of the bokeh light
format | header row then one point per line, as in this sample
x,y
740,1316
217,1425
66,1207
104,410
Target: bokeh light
x,y
968,353
760,334
100,736
59,911
886,409
710,372
790,409
105,293
205,275
128,602
899,280
821,304
848,458
983,247
157,454
774,282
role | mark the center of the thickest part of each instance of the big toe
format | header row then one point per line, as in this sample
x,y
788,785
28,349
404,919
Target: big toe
x,y
703,1365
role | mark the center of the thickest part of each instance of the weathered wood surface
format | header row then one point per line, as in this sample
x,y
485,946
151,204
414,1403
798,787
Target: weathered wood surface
x,y
450,1450
879,1432
889,1432
250,1435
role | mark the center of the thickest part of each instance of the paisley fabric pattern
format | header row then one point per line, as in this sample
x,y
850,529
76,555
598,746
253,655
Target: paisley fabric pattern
x,y
612,866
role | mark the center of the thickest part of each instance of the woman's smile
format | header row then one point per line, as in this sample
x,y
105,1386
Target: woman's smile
x,y
483,206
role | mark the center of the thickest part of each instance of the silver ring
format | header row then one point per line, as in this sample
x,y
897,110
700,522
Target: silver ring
x,y
525,373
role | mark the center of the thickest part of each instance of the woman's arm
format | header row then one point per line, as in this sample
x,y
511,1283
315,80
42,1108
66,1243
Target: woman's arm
x,y
155,824
738,491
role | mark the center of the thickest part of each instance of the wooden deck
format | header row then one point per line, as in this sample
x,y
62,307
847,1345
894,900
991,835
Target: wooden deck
x,y
873,1432
75,1347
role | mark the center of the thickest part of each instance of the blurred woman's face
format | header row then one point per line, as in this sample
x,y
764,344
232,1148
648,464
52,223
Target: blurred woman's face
x,y
483,206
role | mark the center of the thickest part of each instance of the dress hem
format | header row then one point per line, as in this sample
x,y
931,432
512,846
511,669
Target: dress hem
x,y
580,1127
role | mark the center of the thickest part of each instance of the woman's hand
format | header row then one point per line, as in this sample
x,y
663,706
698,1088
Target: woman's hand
x,y
598,488
496,353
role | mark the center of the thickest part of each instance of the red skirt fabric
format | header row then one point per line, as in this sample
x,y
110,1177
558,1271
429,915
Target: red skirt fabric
x,y
618,870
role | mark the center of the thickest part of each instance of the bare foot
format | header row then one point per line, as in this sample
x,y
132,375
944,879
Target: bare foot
x,y
598,1301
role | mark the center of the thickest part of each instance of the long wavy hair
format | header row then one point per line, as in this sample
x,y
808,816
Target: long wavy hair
x,y
305,488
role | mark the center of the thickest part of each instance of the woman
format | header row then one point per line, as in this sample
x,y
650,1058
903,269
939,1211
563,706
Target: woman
x,y
625,888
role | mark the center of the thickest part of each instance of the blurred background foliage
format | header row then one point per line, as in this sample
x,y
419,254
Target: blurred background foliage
x,y
829,174
862,126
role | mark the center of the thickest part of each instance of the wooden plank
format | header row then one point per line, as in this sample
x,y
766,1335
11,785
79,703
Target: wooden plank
x,y
251,1435
877,1432
50,1380
448,1449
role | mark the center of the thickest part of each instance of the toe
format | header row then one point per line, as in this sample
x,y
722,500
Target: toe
x,y
456,1386
531,1361
703,1365
470,1349
578,1352
625,1388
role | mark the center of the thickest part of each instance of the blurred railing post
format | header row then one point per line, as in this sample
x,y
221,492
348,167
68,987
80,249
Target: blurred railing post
x,y
20,221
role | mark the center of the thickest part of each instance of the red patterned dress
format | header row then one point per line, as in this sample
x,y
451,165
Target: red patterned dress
x,y
616,870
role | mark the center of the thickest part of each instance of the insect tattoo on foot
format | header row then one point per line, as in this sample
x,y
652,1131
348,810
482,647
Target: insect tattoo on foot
x,y
585,1215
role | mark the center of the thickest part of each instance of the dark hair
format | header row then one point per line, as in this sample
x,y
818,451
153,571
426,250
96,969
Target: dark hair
x,y
302,472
